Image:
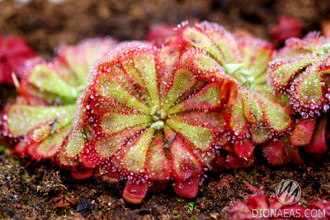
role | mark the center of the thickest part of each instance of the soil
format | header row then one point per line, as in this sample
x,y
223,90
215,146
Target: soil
x,y
30,190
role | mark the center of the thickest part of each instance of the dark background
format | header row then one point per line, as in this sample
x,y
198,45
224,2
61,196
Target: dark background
x,y
46,24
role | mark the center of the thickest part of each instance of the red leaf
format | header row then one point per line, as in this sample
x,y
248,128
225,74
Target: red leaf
x,y
187,188
134,192
244,148
303,132
285,28
275,152
318,143
81,173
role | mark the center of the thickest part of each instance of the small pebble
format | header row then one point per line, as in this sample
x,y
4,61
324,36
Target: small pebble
x,y
84,206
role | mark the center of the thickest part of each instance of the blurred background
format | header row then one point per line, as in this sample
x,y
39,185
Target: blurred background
x,y
45,24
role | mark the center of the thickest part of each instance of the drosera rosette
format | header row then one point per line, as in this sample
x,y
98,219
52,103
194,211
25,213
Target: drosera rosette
x,y
42,115
254,115
301,71
149,116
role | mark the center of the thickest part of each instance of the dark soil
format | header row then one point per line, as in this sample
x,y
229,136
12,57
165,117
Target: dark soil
x,y
30,190
45,24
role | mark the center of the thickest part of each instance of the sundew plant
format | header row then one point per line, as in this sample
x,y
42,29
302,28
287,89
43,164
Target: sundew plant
x,y
153,115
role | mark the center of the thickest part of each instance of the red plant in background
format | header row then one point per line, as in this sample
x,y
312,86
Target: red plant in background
x,y
285,28
14,52
160,34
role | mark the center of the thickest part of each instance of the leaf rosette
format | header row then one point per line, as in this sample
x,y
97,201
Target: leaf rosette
x,y
43,113
255,116
150,116
301,71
